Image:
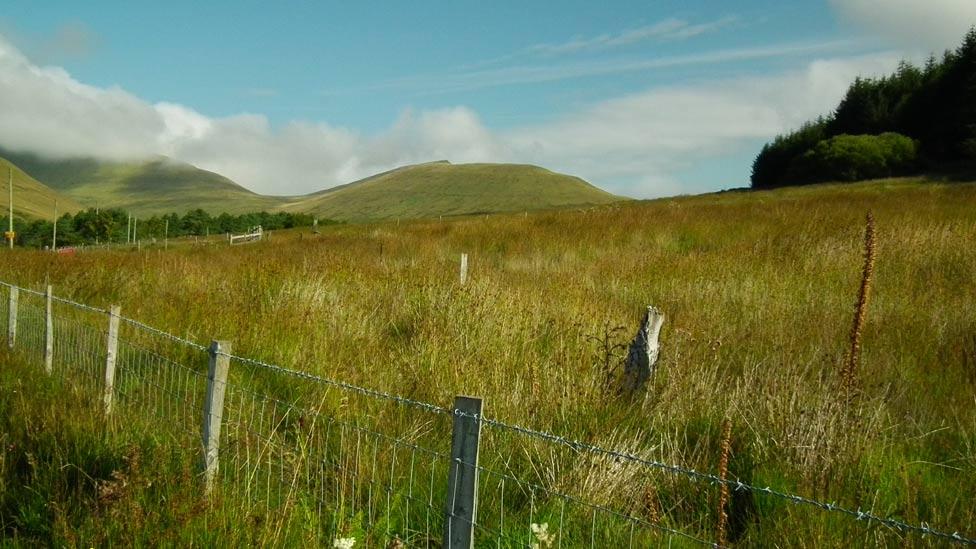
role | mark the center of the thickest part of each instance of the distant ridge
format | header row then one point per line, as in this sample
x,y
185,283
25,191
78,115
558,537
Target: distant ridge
x,y
31,197
156,186
442,188
430,189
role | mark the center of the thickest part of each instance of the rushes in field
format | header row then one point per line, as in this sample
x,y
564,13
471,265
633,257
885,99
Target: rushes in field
x,y
860,310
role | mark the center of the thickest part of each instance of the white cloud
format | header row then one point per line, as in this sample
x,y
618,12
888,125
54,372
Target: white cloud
x,y
48,112
45,109
634,145
642,140
667,29
917,26
473,79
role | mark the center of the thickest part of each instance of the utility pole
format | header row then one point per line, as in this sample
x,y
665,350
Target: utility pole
x,y
54,236
10,184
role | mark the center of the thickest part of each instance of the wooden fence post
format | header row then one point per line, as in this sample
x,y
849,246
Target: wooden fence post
x,y
464,268
213,409
461,508
48,331
112,349
12,317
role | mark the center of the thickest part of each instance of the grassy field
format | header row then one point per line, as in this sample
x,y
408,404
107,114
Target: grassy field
x,y
31,197
758,291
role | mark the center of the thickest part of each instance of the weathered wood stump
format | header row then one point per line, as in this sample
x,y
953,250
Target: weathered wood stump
x,y
643,352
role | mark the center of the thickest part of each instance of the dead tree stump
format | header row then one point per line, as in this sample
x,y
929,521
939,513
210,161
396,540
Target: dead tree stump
x,y
643,352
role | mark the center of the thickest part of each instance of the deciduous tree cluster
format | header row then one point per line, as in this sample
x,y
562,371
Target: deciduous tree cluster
x,y
111,225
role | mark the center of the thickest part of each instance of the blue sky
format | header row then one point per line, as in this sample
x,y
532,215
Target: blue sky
x,y
641,98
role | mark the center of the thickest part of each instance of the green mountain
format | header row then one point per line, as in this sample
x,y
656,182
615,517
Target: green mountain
x,y
442,188
149,187
31,197
424,190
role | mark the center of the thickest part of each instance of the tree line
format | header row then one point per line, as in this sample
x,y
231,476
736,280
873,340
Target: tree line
x,y
93,226
919,118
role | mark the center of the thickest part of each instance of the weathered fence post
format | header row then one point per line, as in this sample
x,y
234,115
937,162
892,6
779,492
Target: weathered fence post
x,y
112,345
464,268
461,509
12,317
213,409
643,351
48,331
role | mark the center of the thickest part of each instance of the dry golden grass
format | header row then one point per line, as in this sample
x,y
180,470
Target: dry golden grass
x,y
757,290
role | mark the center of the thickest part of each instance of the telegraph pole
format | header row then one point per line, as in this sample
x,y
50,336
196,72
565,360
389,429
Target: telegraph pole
x,y
54,235
10,184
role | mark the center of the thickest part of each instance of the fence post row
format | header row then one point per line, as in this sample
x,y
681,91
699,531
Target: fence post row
x,y
464,268
461,507
12,317
110,354
213,409
48,331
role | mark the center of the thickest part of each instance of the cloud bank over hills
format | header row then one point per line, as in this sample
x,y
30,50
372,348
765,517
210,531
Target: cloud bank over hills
x,y
633,145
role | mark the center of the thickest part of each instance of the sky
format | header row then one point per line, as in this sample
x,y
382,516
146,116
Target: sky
x,y
644,99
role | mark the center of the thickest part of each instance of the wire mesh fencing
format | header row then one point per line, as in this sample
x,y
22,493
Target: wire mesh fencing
x,y
79,349
385,470
158,378
360,467
31,324
534,493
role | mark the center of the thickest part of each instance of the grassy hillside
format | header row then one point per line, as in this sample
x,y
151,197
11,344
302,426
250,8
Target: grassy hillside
x,y
31,197
145,188
426,190
442,188
757,288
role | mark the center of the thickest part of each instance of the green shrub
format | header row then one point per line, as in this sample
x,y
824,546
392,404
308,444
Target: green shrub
x,y
855,157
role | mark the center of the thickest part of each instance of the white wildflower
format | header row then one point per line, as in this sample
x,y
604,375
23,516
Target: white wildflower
x,y
541,533
344,543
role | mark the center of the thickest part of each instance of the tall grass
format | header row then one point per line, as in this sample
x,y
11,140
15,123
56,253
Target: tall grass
x,y
757,290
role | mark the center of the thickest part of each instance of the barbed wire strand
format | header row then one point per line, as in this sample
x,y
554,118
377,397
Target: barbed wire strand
x,y
433,408
858,514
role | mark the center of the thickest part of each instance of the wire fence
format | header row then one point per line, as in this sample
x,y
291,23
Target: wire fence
x,y
356,462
